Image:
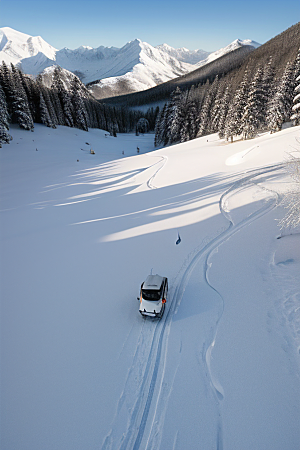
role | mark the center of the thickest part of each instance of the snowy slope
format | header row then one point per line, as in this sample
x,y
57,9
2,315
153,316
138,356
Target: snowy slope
x,y
16,47
66,77
184,54
156,64
80,368
229,48
88,63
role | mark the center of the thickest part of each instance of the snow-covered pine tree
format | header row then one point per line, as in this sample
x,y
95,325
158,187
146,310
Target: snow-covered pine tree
x,y
296,107
160,127
91,120
253,117
174,117
223,111
50,106
267,88
20,107
142,125
296,102
280,105
233,123
6,82
32,95
217,106
79,111
100,115
205,112
48,100
5,137
64,99
44,113
189,126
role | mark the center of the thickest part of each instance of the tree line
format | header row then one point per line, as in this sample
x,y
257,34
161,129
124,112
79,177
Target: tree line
x,y
25,101
263,100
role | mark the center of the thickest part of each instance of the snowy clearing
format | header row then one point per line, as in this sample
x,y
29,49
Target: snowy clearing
x,y
80,367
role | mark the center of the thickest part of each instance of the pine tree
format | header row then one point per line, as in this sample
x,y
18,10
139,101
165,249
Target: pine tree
x,y
205,113
296,107
174,117
189,126
20,108
223,111
4,119
44,113
161,127
268,89
64,101
217,107
280,106
253,116
6,82
80,114
233,122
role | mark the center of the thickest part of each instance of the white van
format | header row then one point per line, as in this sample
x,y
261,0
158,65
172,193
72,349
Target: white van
x,y
153,296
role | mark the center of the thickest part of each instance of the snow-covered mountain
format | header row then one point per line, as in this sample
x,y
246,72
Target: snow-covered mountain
x,y
16,47
229,48
183,54
134,67
66,77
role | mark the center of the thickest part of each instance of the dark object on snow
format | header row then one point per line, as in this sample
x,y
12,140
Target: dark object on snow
x,y
142,126
138,150
178,239
77,160
87,143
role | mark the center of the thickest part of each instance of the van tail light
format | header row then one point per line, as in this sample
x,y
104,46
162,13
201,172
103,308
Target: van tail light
x,y
164,300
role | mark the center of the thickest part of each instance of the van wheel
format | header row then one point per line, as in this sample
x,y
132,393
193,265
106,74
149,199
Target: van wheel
x,y
162,310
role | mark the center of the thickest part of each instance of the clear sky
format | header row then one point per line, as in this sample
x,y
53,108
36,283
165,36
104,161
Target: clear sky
x,y
209,24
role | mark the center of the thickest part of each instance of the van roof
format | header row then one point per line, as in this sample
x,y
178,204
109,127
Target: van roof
x,y
153,282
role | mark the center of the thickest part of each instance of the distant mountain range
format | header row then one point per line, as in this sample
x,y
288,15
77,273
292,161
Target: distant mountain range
x,y
108,71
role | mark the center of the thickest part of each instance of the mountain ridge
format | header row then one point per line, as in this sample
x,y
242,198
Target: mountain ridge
x,y
108,71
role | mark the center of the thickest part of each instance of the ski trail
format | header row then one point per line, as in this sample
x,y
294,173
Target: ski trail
x,y
161,163
206,251
232,229
147,370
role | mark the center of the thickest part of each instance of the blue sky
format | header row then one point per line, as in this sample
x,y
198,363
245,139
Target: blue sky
x,y
208,24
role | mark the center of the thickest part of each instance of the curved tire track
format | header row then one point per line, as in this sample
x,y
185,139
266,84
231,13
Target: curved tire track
x,y
139,417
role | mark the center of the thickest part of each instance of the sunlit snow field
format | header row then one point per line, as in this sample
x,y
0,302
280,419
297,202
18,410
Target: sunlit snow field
x,y
80,368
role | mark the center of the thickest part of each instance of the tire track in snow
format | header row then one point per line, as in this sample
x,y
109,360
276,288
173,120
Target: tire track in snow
x,y
206,251
132,437
244,183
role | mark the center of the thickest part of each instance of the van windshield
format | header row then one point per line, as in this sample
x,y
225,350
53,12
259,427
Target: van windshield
x,y
149,294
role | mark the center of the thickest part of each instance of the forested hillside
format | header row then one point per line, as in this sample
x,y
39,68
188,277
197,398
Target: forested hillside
x,y
25,101
257,96
282,48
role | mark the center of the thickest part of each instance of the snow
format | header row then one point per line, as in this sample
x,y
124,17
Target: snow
x,y
229,48
16,46
80,367
137,65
